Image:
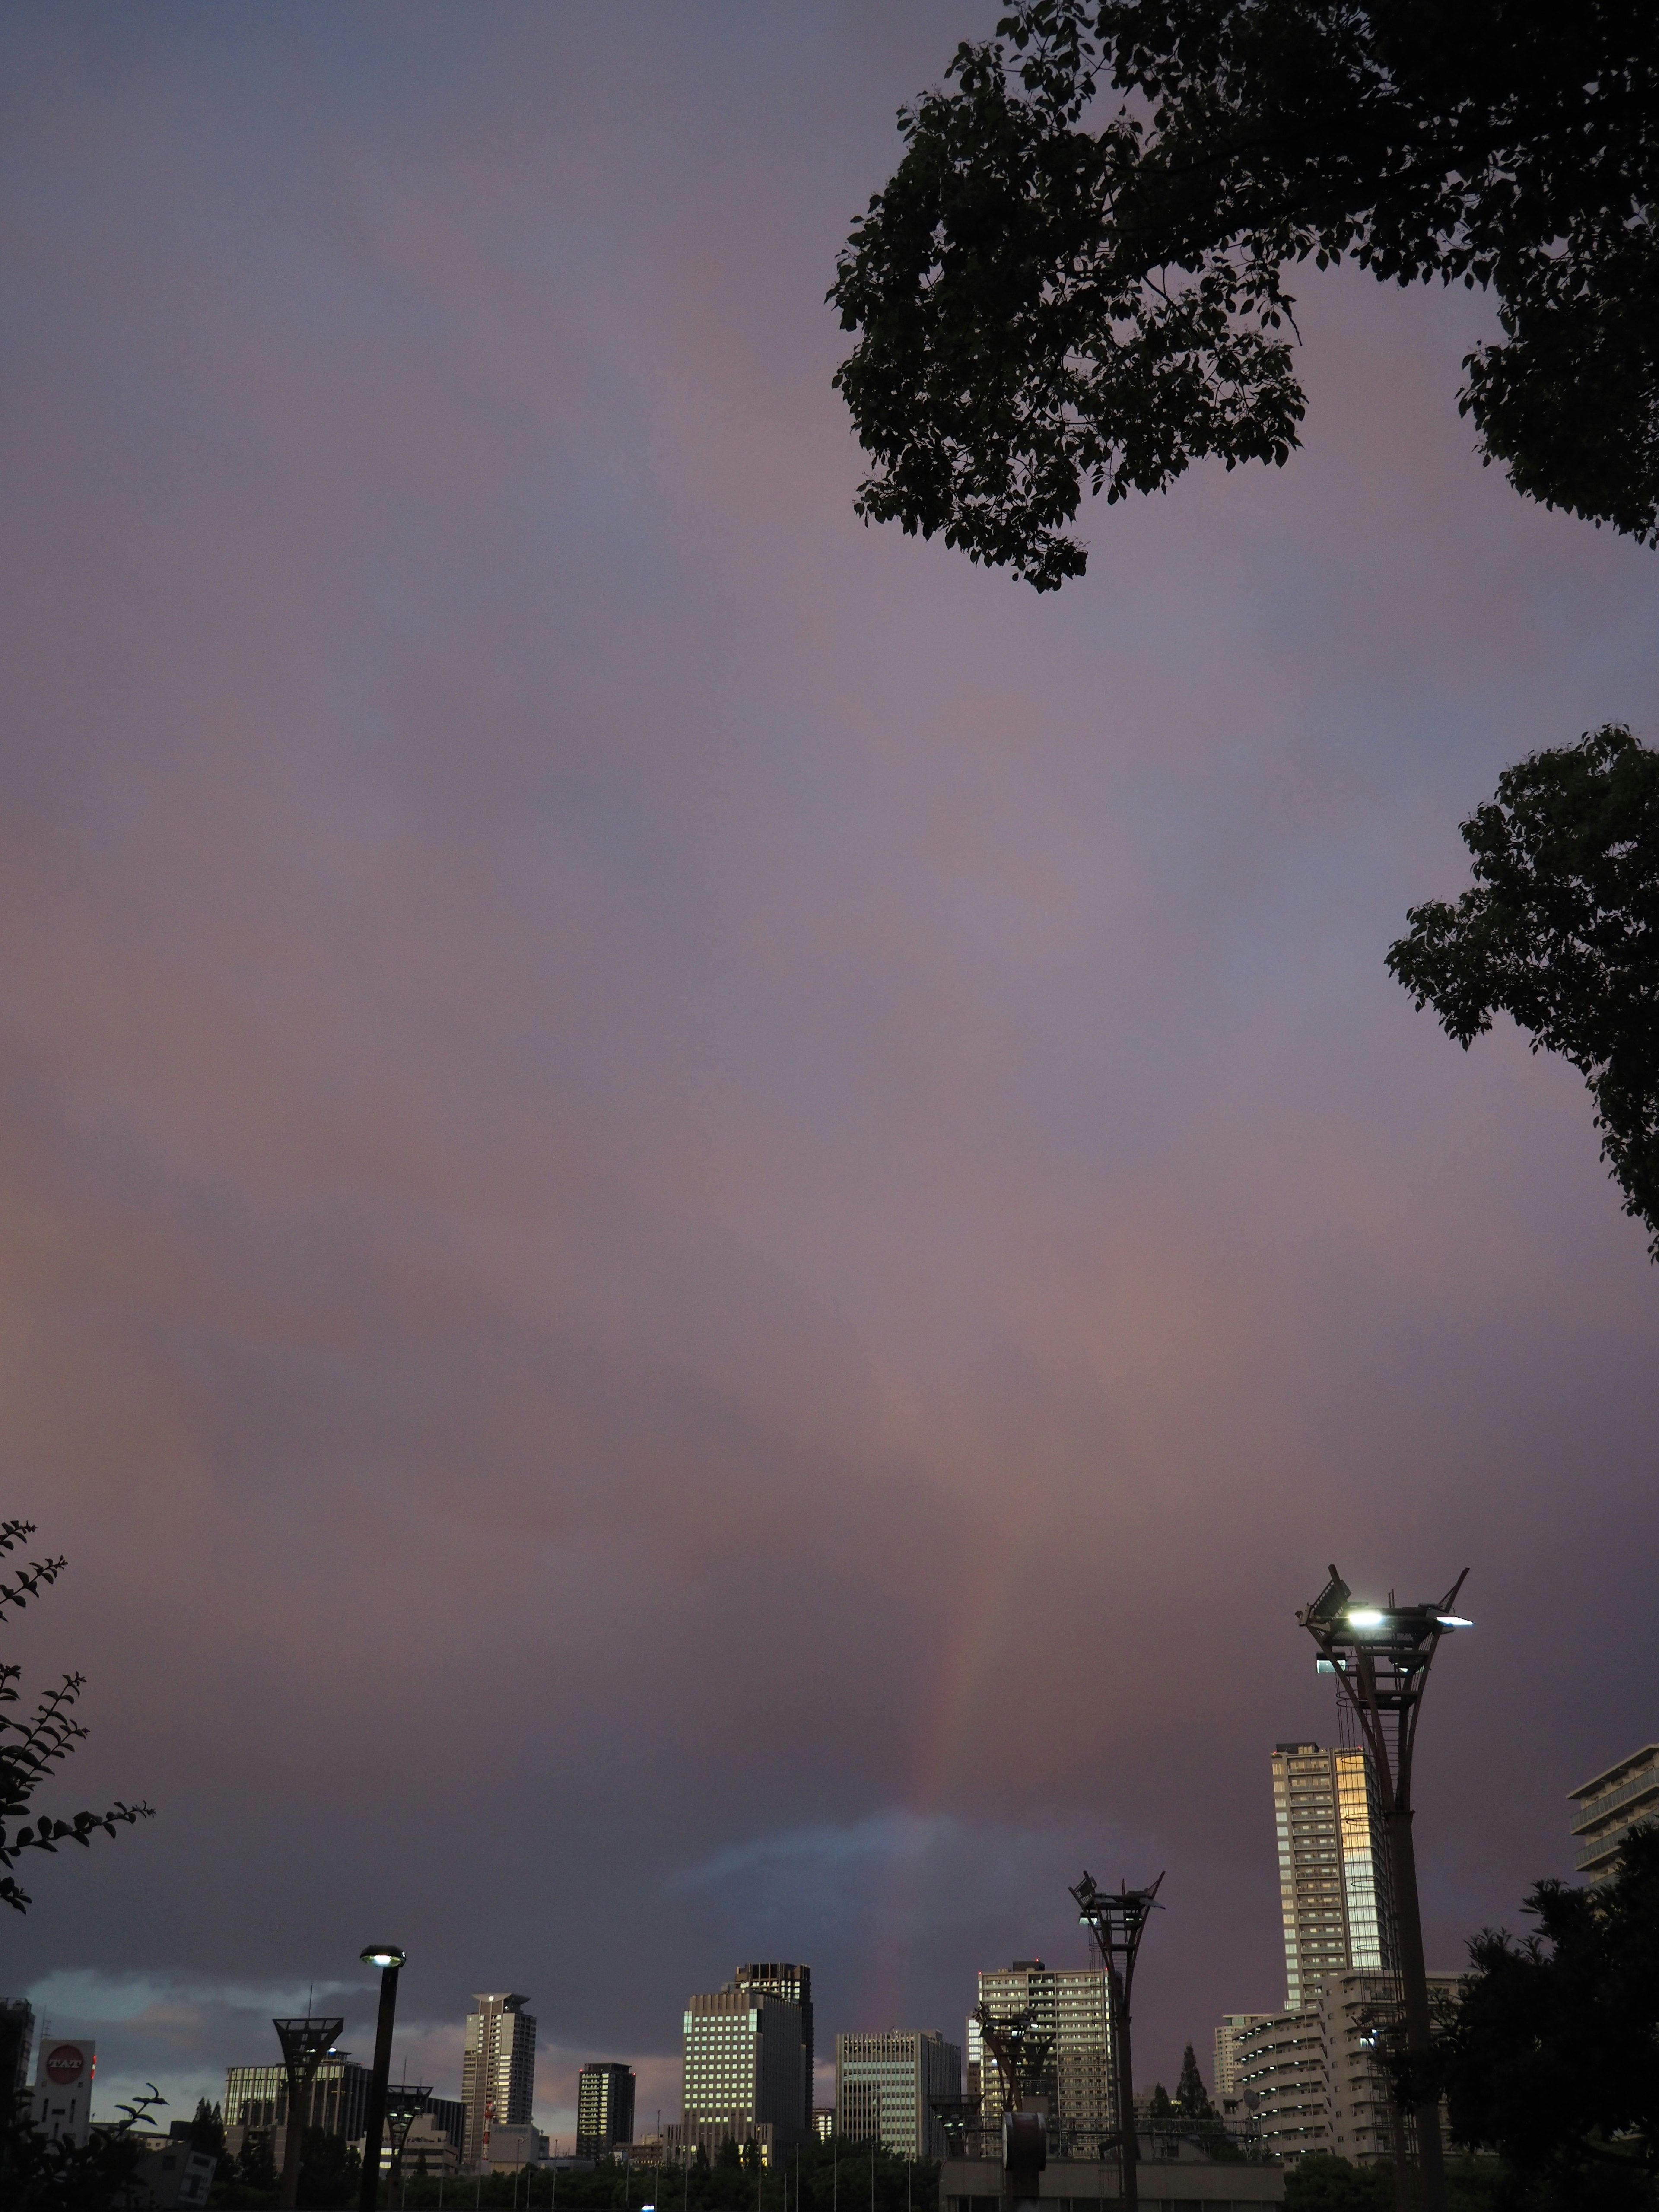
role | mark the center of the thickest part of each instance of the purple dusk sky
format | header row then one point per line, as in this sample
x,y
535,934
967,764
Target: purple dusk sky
x,y
708,1220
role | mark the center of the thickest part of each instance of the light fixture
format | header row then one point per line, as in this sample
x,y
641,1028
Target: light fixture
x,y
383,1955
1364,1616
1452,1620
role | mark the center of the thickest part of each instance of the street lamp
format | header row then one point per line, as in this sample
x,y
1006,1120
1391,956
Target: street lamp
x,y
1118,1920
1381,1654
389,1959
306,2043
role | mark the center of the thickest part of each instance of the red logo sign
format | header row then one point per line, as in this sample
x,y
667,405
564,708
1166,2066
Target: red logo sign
x,y
66,2064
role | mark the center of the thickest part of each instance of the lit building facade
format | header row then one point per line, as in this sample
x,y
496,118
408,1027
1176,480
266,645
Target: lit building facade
x,y
784,1978
498,2071
605,2108
1313,2080
885,2086
1226,2044
1606,1808
743,2048
1071,2004
1332,1876
255,2102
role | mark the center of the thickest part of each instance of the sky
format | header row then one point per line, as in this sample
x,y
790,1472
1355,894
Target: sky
x,y
709,1219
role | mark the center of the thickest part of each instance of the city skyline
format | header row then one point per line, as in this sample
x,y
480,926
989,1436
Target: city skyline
x,y
596,1052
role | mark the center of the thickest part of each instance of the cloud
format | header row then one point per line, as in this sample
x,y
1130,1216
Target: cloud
x,y
708,1220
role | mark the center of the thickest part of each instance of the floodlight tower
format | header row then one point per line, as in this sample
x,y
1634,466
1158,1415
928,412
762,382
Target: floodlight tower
x,y
1381,1655
1117,1919
1020,2050
403,2105
306,2043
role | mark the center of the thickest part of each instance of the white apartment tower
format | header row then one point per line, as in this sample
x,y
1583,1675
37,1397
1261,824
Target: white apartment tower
x,y
498,2071
1333,1868
1071,2004
1232,2026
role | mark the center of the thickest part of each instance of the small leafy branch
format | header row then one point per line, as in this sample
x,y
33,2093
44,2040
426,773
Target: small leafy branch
x,y
39,2173
31,1746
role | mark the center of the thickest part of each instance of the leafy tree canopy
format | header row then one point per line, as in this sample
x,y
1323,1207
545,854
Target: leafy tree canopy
x,y
1321,2182
1547,2056
1191,2095
1561,931
1077,273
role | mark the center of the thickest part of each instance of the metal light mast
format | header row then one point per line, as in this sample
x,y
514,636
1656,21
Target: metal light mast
x,y
1117,1919
1020,2049
1381,1655
306,2043
403,2105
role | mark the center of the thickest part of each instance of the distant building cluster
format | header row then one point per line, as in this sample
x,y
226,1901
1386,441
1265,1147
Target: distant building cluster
x,y
1309,2077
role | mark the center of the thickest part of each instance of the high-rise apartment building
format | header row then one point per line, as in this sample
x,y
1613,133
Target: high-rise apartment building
x,y
498,2070
885,2086
605,2108
1609,1806
1312,2080
1227,2032
1333,1875
783,1979
1069,2003
743,2048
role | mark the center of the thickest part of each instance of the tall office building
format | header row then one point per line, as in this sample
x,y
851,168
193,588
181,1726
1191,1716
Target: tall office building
x,y
885,2086
255,2102
1609,1806
1070,2004
498,2070
784,1980
605,2108
743,2048
1332,1876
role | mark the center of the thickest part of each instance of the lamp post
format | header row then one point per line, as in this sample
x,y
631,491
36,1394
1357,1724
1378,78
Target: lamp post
x,y
1380,1656
306,2043
389,1959
1117,1918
